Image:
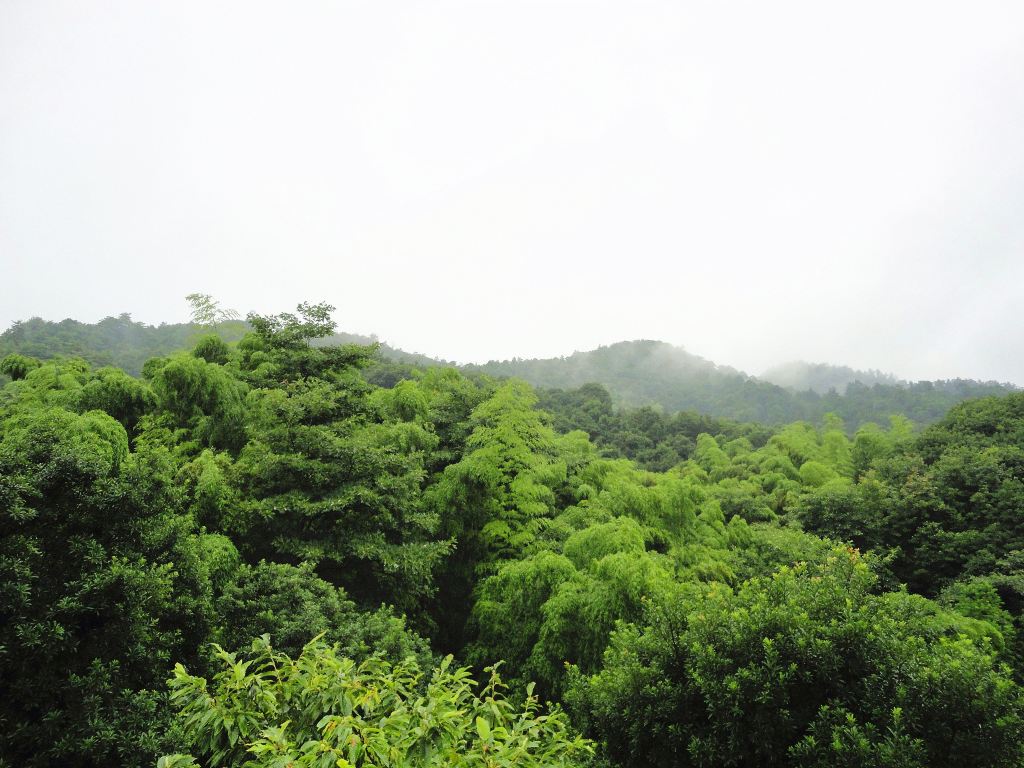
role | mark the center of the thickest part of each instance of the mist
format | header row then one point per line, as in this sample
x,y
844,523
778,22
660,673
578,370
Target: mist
x,y
755,182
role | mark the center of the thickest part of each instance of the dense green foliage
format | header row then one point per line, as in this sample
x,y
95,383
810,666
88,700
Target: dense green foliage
x,y
650,437
103,585
694,590
806,667
291,603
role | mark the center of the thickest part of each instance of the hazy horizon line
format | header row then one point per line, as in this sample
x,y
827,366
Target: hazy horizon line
x,y
579,350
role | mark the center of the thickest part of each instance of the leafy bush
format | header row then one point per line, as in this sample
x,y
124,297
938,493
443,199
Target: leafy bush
x,y
324,710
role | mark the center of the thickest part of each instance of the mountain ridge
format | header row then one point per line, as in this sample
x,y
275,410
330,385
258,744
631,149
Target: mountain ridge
x,y
637,373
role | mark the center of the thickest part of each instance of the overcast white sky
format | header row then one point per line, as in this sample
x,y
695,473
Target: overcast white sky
x,y
758,182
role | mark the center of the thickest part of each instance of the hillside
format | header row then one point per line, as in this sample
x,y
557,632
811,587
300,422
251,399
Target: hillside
x,y
640,373
645,372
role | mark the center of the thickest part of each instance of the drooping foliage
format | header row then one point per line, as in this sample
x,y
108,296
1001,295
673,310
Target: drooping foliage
x,y
806,667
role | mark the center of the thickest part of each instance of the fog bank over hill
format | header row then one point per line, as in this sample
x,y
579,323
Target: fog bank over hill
x,y
822,377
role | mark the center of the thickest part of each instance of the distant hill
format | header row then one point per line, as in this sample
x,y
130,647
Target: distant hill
x,y
644,372
823,378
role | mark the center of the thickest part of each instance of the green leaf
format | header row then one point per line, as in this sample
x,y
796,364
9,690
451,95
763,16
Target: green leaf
x,y
483,729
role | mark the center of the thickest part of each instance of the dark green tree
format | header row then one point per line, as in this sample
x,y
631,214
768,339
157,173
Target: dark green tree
x,y
293,605
103,585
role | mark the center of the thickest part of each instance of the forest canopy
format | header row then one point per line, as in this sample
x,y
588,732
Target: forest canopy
x,y
240,545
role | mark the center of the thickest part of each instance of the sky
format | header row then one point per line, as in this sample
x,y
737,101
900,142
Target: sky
x,y
757,182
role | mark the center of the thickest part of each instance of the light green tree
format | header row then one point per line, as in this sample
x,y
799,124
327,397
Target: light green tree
x,y
207,311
